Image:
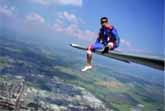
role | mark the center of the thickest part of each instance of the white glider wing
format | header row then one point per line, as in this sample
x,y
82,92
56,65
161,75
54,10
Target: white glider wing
x,y
151,61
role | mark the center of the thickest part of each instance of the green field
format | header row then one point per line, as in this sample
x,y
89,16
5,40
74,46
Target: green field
x,y
119,91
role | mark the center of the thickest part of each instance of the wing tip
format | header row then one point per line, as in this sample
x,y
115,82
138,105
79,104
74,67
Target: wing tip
x,y
73,45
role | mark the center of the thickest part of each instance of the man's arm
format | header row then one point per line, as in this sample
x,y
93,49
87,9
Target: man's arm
x,y
99,38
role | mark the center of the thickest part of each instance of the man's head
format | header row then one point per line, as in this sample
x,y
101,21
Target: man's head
x,y
104,21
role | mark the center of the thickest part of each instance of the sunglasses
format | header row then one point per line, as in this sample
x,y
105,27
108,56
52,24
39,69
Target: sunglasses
x,y
104,21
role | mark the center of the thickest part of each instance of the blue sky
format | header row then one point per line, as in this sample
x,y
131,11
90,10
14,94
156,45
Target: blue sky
x,y
139,22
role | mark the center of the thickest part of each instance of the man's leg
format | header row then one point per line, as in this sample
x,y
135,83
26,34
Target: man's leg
x,y
89,59
90,50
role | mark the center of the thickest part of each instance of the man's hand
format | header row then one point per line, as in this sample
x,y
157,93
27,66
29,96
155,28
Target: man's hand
x,y
110,45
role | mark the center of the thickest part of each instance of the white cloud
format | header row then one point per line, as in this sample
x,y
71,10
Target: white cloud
x,y
75,31
125,43
69,23
70,2
42,2
59,2
6,10
35,17
68,17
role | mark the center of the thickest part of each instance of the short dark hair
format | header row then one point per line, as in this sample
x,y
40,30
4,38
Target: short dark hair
x,y
103,19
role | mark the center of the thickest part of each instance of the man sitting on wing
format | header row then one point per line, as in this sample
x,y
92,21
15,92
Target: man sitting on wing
x,y
108,39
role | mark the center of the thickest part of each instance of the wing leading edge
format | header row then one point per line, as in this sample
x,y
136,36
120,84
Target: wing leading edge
x,y
153,62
